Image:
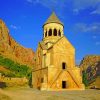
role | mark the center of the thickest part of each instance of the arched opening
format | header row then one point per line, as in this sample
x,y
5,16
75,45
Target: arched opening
x,y
55,32
59,33
46,34
50,32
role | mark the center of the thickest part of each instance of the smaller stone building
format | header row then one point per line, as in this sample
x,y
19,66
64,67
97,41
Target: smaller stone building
x,y
55,60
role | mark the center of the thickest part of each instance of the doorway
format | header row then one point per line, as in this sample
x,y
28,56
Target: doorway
x,y
63,84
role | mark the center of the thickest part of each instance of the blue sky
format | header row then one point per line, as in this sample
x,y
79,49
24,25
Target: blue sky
x,y
81,19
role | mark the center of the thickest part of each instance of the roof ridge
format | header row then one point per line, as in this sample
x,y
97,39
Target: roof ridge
x,y
53,19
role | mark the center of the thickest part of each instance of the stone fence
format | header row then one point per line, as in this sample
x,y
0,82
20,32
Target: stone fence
x,y
9,81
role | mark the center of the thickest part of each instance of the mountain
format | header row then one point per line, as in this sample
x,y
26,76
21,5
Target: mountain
x,y
90,67
90,60
9,48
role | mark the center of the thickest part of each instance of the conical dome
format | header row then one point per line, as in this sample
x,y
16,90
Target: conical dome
x,y
53,19
53,29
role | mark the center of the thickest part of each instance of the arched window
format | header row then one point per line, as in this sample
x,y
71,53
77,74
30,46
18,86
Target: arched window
x,y
46,34
59,33
63,65
55,32
50,32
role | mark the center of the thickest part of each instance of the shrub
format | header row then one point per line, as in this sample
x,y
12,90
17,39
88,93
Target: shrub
x,y
16,70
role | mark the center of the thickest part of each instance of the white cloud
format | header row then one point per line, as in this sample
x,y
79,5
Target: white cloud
x,y
15,27
96,11
75,5
84,28
97,43
54,5
30,1
76,11
82,4
94,37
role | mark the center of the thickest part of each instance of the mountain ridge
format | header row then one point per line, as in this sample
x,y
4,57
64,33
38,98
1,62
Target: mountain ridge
x,y
13,50
90,69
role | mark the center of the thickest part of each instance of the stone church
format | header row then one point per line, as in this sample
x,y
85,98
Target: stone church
x,y
54,67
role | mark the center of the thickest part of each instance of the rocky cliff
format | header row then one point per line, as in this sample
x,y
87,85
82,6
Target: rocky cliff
x,y
90,60
11,49
90,67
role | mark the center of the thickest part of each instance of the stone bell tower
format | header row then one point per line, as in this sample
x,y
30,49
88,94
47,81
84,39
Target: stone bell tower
x,y
53,29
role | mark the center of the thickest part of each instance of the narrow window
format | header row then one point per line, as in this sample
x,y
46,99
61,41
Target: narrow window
x,y
50,32
42,80
63,65
55,32
59,33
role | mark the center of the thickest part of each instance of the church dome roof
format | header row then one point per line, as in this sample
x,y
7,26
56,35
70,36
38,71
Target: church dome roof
x,y
53,19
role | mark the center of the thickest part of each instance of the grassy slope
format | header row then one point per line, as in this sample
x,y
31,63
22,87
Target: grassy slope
x,y
10,68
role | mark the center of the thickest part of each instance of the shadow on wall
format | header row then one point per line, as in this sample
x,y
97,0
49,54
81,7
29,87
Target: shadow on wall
x,y
2,85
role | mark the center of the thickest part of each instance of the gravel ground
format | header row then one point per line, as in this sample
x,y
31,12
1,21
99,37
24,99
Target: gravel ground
x,y
4,97
32,94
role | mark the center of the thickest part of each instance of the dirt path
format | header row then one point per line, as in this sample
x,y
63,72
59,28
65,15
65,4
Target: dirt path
x,y
31,94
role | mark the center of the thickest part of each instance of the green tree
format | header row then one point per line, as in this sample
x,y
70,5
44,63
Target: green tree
x,y
85,80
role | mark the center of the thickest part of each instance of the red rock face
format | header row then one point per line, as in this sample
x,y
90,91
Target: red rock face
x,y
11,49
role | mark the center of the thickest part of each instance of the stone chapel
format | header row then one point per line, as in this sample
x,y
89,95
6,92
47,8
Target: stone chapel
x,y
54,67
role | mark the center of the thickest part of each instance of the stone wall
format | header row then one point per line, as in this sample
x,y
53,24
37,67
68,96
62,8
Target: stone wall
x,y
13,81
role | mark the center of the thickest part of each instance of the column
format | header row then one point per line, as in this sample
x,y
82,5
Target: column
x,y
47,31
52,31
57,32
44,33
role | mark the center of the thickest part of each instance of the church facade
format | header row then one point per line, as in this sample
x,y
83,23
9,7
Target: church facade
x,y
54,67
